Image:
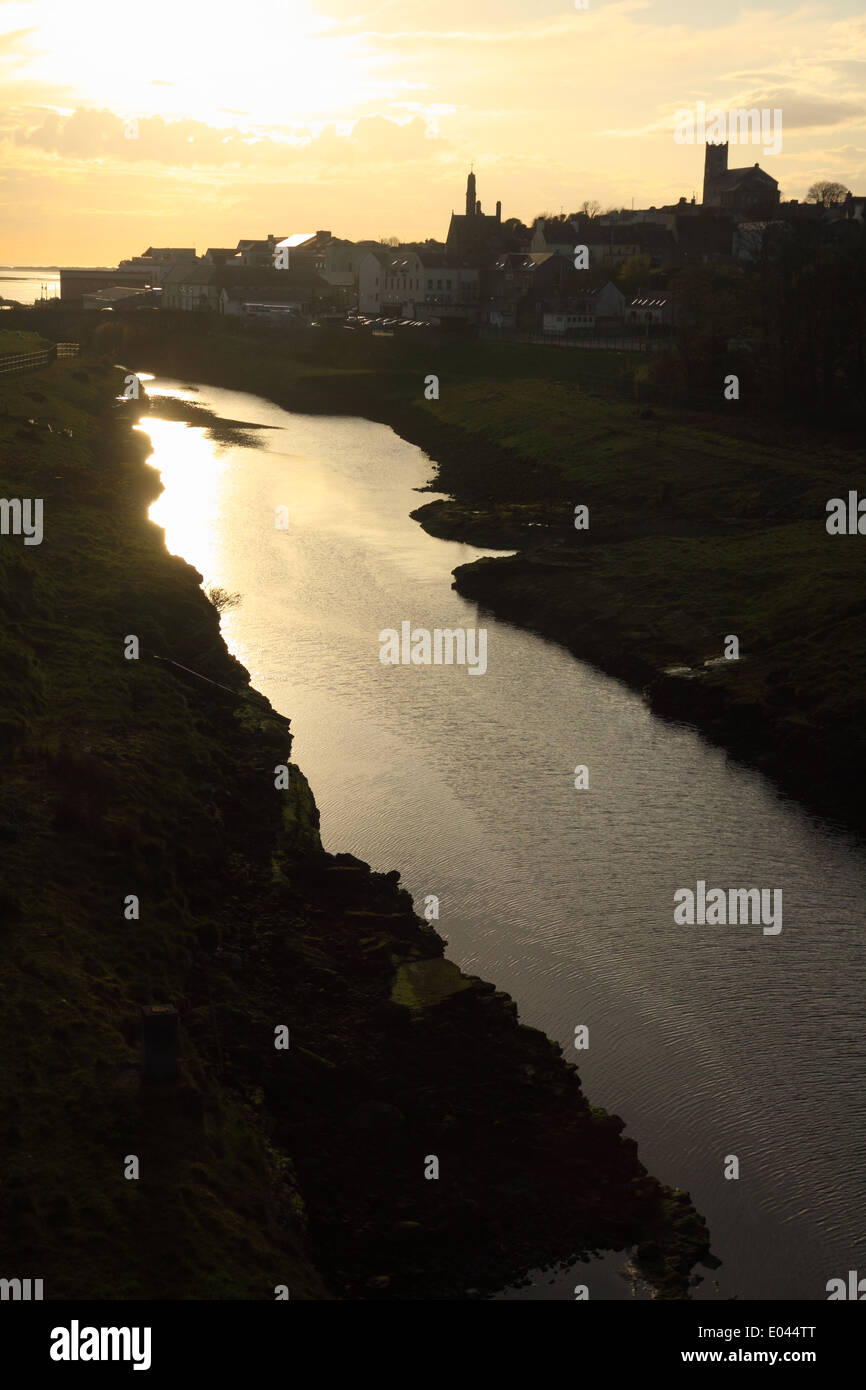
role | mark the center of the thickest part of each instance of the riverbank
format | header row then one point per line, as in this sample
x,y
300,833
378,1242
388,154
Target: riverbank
x,y
14,343
259,1167
702,525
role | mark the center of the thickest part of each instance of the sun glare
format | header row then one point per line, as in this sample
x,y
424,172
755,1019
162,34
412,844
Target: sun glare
x,y
191,468
284,62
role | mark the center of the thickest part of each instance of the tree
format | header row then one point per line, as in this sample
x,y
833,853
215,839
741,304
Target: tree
x,y
634,273
515,234
826,191
221,599
713,305
590,207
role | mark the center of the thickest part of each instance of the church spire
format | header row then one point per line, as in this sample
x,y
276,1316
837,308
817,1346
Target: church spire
x,y
470,196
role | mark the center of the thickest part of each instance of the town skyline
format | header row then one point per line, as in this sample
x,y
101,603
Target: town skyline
x,y
384,110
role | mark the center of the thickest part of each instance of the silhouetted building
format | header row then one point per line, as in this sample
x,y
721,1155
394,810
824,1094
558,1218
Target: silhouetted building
x,y
650,308
621,242
220,255
474,237
747,193
596,307
706,237
521,283
854,207
555,236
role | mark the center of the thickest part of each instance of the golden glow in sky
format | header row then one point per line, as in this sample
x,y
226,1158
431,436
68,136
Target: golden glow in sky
x,y
123,126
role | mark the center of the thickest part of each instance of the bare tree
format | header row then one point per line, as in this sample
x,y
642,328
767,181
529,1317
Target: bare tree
x,y
221,599
826,191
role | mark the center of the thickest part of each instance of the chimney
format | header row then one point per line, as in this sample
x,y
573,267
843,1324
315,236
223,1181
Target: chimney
x,y
498,211
478,208
323,235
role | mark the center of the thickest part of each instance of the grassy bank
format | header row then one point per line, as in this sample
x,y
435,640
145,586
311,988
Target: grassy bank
x,y
258,1167
15,341
703,523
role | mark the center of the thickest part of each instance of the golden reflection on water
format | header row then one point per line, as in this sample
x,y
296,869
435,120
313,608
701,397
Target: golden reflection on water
x,y
193,468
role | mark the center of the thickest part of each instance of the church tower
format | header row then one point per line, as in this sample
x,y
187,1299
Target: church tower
x,y
470,196
715,165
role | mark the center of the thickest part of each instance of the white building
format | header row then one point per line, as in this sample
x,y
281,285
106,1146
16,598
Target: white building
x,y
650,307
567,323
246,304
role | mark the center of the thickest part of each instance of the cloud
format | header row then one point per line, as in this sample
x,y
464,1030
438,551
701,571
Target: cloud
x,y
855,68
90,135
806,110
10,43
368,120
800,110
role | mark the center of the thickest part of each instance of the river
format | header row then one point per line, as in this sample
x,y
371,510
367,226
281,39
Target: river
x,y
29,284
712,1042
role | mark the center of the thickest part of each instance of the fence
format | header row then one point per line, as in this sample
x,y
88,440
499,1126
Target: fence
x,y
25,361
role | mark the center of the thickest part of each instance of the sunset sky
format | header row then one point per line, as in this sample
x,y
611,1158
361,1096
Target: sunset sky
x,y
287,115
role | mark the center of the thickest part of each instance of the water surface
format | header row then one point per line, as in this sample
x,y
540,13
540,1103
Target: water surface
x,y
709,1041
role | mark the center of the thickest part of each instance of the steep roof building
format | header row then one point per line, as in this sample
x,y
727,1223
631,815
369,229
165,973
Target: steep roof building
x,y
474,238
748,192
